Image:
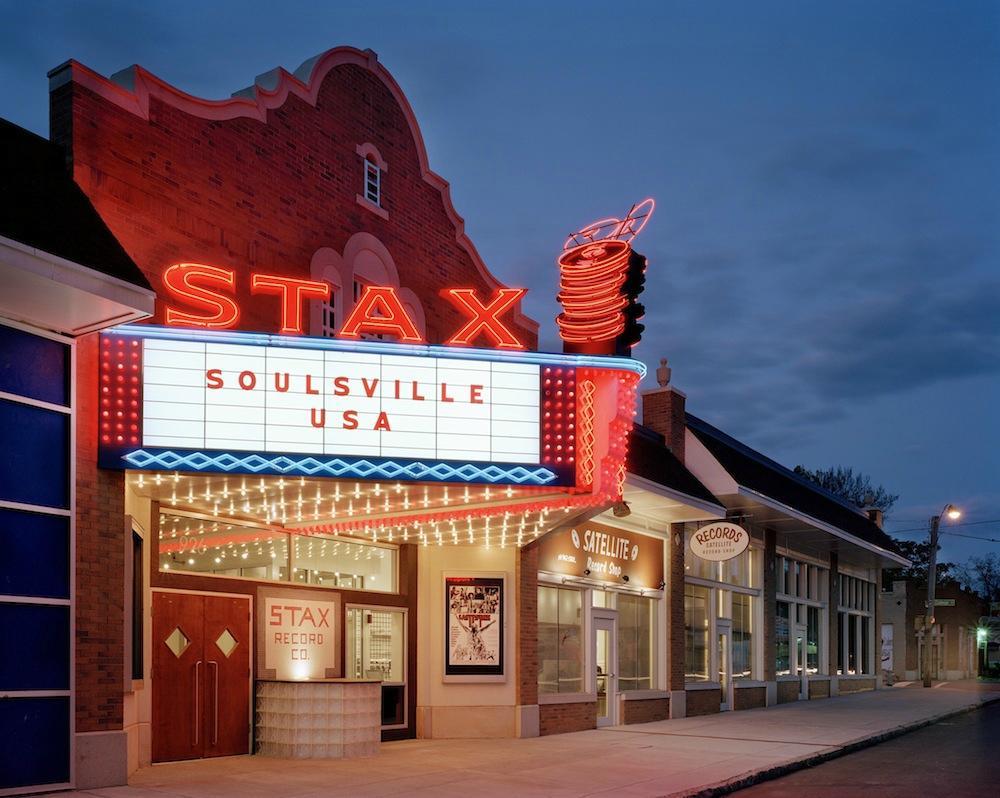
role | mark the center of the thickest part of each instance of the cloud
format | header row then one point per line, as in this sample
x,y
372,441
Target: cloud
x,y
840,161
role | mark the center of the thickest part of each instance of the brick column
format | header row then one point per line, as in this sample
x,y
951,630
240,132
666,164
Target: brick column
x,y
833,639
675,622
100,564
770,591
527,642
663,412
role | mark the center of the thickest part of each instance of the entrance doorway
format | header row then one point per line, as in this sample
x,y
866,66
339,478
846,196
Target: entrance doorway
x,y
605,667
724,654
201,675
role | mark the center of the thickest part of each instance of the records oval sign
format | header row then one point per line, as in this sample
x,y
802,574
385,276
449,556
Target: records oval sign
x,y
719,541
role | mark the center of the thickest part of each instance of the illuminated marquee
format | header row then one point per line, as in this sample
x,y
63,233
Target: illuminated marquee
x,y
256,403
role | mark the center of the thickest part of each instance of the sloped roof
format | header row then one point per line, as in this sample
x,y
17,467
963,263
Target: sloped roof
x,y
41,207
753,470
649,457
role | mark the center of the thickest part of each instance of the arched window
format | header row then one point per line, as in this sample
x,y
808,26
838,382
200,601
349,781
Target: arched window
x,y
373,182
373,167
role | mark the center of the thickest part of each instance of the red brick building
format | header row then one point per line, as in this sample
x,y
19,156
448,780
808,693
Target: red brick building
x,y
320,476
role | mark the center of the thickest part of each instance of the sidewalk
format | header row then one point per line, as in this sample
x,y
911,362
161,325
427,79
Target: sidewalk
x,y
678,757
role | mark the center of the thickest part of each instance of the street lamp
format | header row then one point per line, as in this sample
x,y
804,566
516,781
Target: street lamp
x,y
952,512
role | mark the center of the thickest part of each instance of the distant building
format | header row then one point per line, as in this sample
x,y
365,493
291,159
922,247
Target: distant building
x,y
952,638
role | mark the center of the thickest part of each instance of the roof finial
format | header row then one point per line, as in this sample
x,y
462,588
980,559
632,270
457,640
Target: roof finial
x,y
663,373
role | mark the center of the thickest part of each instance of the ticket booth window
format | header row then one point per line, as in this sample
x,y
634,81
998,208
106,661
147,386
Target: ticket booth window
x,y
376,649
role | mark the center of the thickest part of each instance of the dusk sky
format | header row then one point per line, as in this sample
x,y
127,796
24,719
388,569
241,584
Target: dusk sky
x,y
824,254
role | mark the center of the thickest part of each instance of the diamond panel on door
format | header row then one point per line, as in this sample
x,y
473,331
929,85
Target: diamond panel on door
x,y
177,642
227,643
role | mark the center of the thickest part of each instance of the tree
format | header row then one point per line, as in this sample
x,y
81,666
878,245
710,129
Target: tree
x,y
982,575
853,487
919,554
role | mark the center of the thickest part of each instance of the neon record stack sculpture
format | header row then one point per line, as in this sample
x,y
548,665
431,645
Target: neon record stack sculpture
x,y
600,278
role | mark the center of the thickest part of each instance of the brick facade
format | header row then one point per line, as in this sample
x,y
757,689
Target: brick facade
x,y
645,710
527,626
788,691
265,184
749,698
770,605
560,718
703,702
100,564
675,609
819,688
856,685
663,412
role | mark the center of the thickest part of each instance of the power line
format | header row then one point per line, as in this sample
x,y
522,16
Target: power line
x,y
964,523
974,537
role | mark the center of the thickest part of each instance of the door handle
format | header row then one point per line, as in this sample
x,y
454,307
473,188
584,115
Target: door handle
x,y
215,711
197,701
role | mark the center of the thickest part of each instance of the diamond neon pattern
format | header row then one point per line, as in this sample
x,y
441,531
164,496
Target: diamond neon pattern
x,y
337,467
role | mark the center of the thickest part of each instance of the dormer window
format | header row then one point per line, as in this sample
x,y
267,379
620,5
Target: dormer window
x,y
373,182
374,167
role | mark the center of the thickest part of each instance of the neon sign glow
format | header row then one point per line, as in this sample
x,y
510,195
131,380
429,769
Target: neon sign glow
x,y
595,272
379,310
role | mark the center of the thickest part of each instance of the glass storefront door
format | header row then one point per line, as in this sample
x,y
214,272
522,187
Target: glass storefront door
x,y
605,678
724,655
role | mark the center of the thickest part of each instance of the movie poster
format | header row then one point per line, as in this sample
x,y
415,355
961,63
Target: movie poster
x,y
474,624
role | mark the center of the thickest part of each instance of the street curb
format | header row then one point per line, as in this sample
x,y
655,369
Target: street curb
x,y
785,768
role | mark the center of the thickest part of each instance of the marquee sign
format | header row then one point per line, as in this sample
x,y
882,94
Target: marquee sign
x,y
256,403
719,541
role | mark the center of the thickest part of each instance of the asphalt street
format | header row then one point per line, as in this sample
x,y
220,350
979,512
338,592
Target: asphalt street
x,y
958,757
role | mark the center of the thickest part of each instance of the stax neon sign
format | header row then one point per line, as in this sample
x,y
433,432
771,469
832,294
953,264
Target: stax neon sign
x,y
209,290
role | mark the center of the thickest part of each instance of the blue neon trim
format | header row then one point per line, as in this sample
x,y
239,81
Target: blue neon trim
x,y
364,468
382,348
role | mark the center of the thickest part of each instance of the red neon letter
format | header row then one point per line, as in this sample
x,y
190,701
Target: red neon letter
x,y
485,318
392,317
292,292
179,281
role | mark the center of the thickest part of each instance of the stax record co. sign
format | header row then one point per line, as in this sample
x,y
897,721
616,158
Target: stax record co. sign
x,y
719,541
604,553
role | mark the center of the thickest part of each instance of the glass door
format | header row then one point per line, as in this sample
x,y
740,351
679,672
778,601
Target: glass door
x,y
605,678
724,655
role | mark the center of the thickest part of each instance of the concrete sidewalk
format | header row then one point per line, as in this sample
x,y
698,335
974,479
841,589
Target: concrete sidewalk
x,y
678,757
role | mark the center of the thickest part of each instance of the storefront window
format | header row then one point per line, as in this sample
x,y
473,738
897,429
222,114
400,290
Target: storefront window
x,y
635,642
742,631
696,633
802,589
376,649
812,639
223,547
852,644
857,599
335,562
560,649
782,664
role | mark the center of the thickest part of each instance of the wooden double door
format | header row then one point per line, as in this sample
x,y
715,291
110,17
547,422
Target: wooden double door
x,y
201,676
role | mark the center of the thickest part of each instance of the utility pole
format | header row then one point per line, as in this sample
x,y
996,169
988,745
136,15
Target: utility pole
x,y
925,665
